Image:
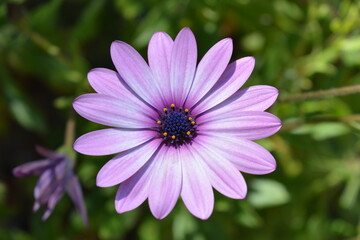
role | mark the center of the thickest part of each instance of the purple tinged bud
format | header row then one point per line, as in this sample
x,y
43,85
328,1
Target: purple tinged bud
x,y
56,178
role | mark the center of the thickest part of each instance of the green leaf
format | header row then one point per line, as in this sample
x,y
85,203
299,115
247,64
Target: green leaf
x,y
268,193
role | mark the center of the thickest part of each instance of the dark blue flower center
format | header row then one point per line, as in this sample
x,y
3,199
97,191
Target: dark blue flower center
x,y
176,126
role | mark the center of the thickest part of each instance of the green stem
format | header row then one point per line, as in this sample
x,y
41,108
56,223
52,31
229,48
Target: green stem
x,y
69,131
322,94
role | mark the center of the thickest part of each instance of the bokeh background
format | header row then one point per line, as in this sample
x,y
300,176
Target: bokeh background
x,y
47,48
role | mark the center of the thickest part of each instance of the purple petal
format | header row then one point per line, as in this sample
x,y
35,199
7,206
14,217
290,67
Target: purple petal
x,y
135,72
134,191
248,125
110,141
73,188
246,156
222,174
159,54
255,98
108,82
111,111
196,189
53,200
182,65
234,76
46,152
125,164
166,184
210,68
31,168
45,186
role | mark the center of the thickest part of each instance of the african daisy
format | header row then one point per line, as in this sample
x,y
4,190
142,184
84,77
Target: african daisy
x,y
180,128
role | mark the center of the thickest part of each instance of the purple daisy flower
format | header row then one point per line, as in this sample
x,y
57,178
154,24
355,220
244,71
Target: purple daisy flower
x,y
56,177
181,128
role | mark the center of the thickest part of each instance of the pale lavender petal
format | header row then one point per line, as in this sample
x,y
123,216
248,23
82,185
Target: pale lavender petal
x,y
182,65
196,191
125,164
73,188
166,184
246,155
134,191
135,72
31,168
209,70
255,98
108,82
112,140
111,111
248,125
234,76
159,53
222,174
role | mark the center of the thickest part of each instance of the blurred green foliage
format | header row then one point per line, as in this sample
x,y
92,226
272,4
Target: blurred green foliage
x,y
47,48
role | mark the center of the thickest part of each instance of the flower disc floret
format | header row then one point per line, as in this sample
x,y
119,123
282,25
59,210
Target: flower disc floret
x,y
176,126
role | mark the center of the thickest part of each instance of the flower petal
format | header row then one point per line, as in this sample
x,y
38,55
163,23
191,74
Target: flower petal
x,y
159,54
210,68
166,184
196,191
255,98
246,155
248,125
53,200
234,76
111,111
73,188
109,82
222,174
135,72
182,65
125,164
45,186
31,168
134,191
111,140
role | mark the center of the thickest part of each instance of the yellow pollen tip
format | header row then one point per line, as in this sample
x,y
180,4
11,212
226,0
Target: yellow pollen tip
x,y
193,122
158,122
172,105
165,134
173,137
188,133
165,109
186,110
190,118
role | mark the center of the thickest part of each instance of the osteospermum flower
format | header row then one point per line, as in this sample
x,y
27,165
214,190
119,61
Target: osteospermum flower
x,y
56,178
179,128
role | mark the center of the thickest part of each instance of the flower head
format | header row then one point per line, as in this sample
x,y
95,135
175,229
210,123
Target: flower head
x,y
56,177
180,128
